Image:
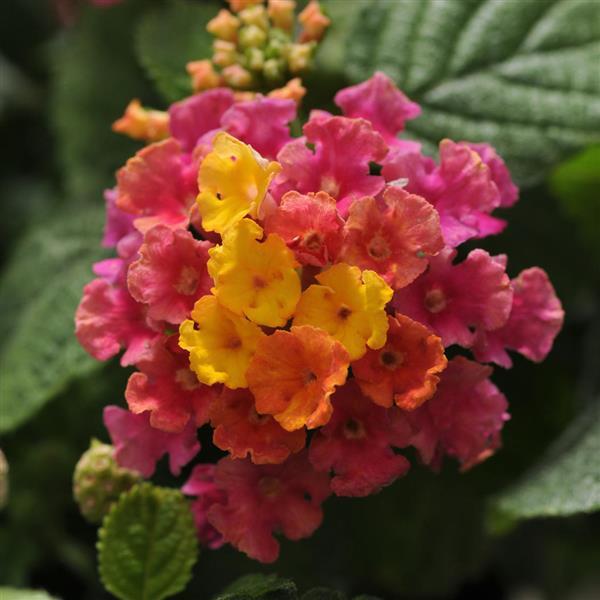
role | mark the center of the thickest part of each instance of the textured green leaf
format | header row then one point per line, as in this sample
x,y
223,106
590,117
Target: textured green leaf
x,y
567,482
14,594
521,75
323,594
96,76
147,545
39,291
260,587
169,38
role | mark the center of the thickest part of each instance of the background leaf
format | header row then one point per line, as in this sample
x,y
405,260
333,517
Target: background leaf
x,y
39,291
522,76
164,55
14,594
147,544
260,587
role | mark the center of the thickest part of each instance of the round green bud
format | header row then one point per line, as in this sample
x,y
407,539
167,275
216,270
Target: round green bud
x,y
252,36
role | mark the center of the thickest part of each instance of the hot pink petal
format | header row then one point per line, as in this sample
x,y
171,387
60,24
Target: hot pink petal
x,y
201,484
167,388
452,300
192,118
118,223
108,319
139,446
158,185
310,225
170,274
262,499
465,417
461,188
535,319
378,100
340,163
263,123
356,445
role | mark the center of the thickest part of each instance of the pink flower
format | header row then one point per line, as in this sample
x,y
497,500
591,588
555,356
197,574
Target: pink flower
x,y
332,168
108,319
509,192
158,185
464,418
118,223
262,499
378,100
114,270
167,388
452,300
170,274
397,241
356,445
461,188
263,123
535,319
310,225
192,118
201,484
139,446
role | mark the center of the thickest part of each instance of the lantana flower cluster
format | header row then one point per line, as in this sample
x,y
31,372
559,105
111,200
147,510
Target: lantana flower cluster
x,y
301,297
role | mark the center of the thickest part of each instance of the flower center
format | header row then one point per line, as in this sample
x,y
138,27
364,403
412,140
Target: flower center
x,y
233,343
435,300
391,360
309,377
313,241
378,248
344,312
330,185
187,282
354,429
270,487
255,418
186,380
259,282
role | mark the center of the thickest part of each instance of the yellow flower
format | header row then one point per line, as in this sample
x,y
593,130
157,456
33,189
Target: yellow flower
x,y
220,343
233,181
254,278
349,305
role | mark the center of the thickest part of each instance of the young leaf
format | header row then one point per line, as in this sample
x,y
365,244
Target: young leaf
x,y
39,291
566,483
522,76
164,55
147,545
260,587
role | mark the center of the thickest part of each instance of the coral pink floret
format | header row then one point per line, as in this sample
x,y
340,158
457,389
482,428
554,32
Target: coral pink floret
x,y
118,223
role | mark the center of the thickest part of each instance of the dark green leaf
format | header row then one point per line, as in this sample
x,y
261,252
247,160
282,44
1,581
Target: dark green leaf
x,y
260,587
522,76
323,594
165,54
147,544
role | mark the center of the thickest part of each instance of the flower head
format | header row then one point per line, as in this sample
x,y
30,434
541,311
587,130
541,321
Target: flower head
x,y
220,343
233,181
349,305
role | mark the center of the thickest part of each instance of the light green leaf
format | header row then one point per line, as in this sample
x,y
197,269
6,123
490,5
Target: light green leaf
x,y
169,38
147,544
15,594
522,76
39,291
567,482
260,587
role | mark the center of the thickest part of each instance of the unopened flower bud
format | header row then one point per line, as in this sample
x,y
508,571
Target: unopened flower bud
x,y
224,53
141,123
203,74
252,36
255,58
98,481
281,13
236,76
255,15
224,26
292,90
299,56
273,69
238,5
314,22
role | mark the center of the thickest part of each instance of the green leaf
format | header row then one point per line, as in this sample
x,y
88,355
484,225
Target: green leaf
x,y
96,75
323,594
522,76
14,594
39,291
164,55
15,88
147,544
567,482
260,587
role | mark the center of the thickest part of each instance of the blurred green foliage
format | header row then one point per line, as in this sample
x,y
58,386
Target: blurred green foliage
x,y
508,72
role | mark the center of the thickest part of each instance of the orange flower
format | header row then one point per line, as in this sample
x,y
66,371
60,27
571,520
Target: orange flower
x,y
293,374
405,370
142,123
292,90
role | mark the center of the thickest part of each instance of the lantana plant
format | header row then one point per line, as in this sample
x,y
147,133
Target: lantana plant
x,y
318,301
